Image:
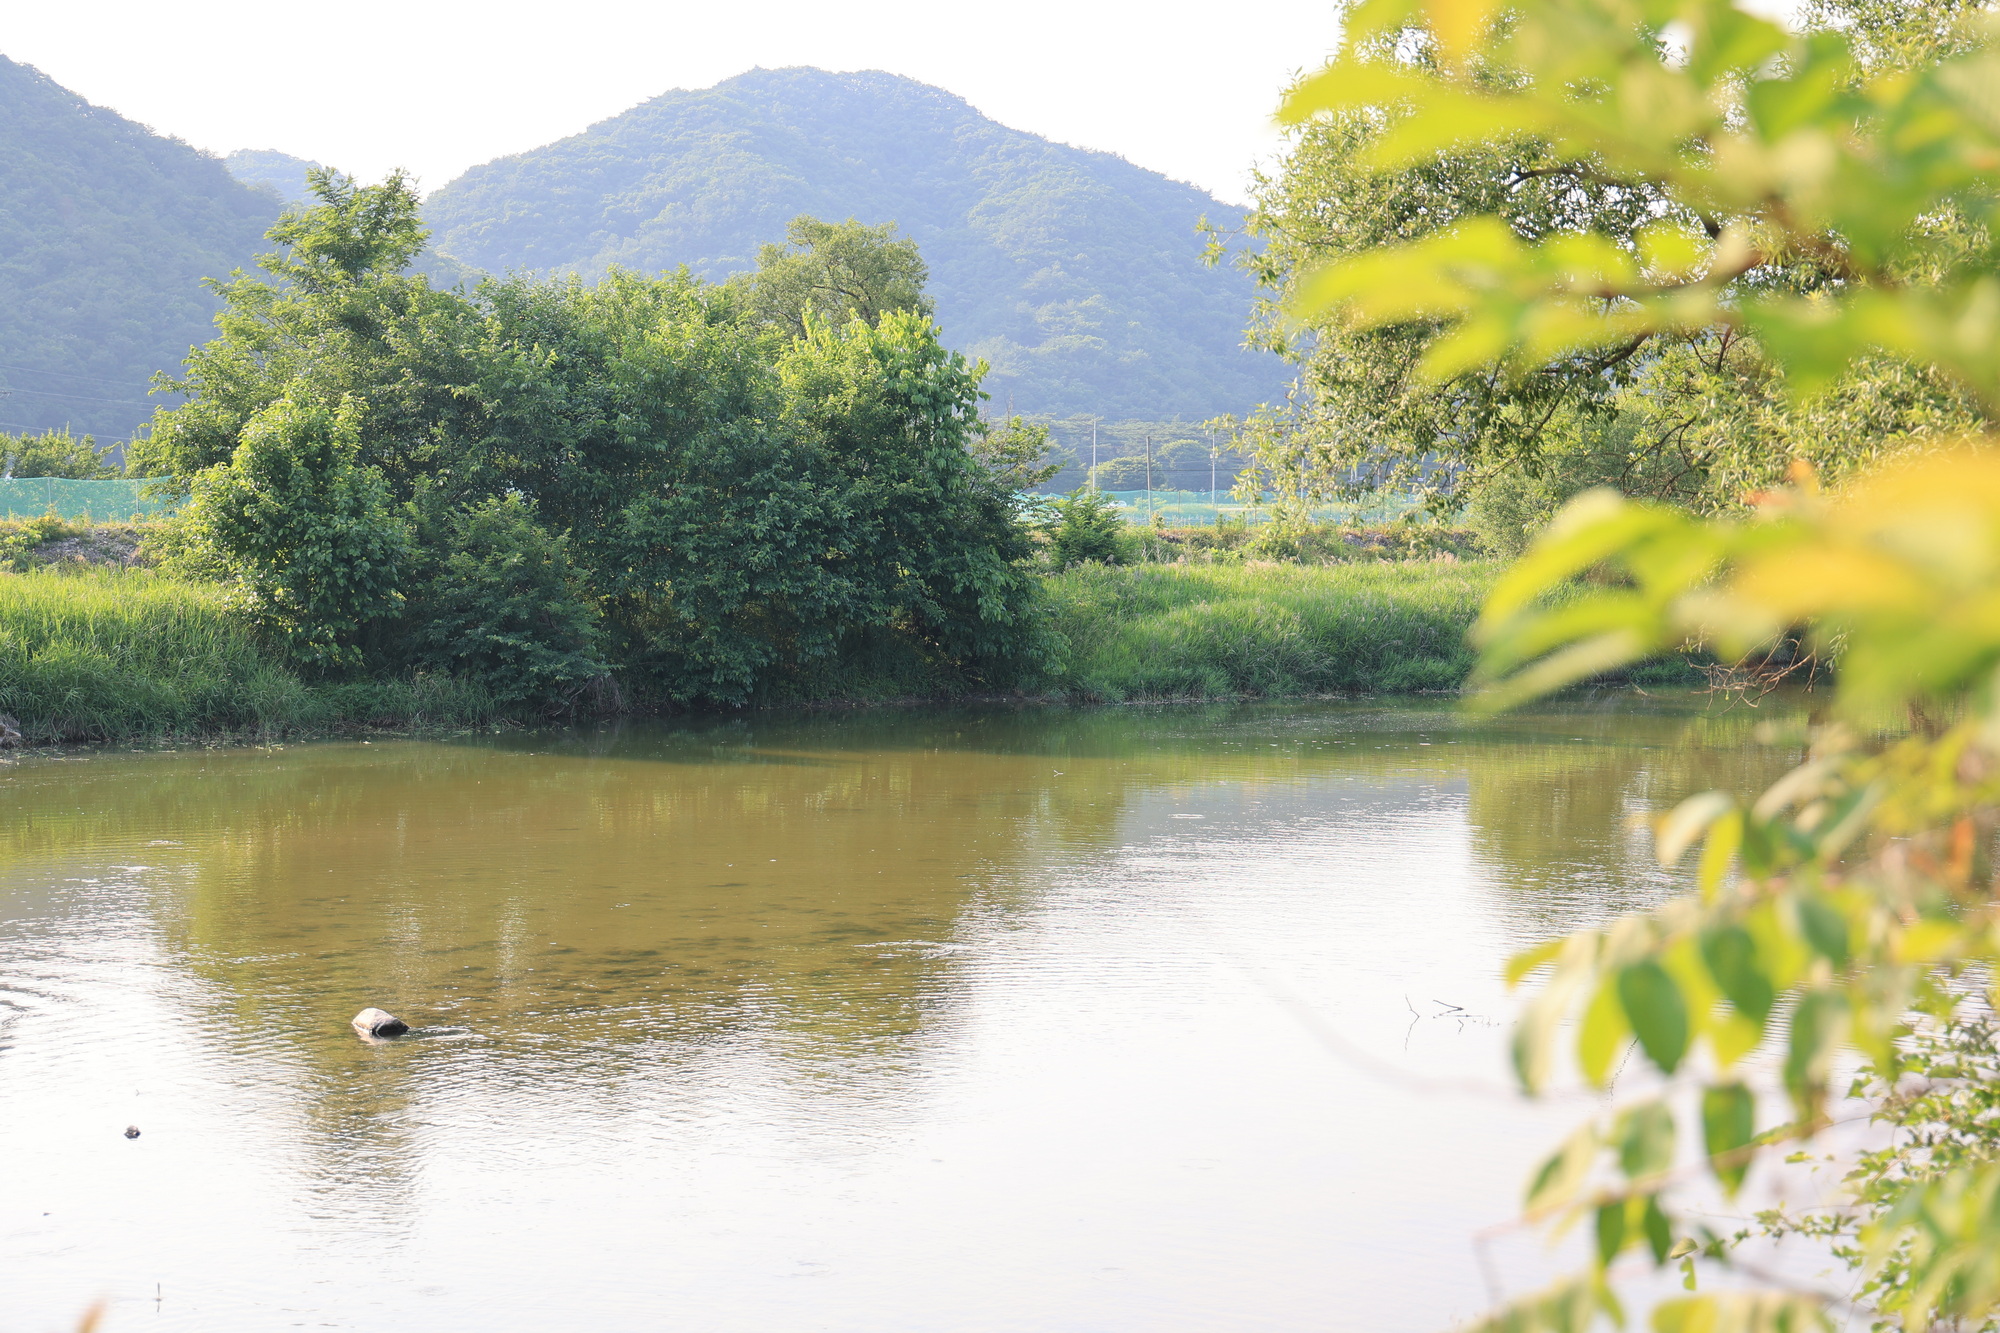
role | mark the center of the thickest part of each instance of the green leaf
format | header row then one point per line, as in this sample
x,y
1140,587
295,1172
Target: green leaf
x,y
1728,1123
1731,956
1654,1007
1819,1022
1824,928
1610,1231
1659,1231
1646,1140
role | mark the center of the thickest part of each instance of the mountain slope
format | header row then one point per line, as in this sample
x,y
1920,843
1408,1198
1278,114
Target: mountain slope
x,y
1077,274
106,231
268,167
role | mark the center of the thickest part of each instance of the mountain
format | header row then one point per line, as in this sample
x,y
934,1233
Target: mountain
x,y
1076,274
106,231
280,172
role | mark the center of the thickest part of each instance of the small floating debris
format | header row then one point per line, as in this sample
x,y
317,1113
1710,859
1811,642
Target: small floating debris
x,y
379,1023
131,1131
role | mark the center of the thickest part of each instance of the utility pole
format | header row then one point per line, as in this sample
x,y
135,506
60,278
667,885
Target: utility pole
x,y
1093,455
1211,471
1149,479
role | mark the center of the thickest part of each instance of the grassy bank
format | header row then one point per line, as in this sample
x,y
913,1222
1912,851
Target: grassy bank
x,y
1204,631
111,653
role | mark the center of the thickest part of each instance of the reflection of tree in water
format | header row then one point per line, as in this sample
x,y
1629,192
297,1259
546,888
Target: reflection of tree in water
x,y
1553,797
649,922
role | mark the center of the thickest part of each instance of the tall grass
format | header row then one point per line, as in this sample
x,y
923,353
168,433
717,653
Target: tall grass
x,y
108,653
1209,631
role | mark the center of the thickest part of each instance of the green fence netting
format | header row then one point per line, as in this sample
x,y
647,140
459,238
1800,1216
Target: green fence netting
x,y
1187,508
31,497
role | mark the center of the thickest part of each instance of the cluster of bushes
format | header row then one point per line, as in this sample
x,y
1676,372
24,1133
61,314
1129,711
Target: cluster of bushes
x,y
544,486
54,453
1083,527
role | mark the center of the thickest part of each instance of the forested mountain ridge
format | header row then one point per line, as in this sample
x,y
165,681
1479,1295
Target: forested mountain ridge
x,y
274,170
106,231
1075,273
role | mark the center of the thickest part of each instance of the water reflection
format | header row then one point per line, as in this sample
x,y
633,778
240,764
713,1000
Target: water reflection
x,y
772,961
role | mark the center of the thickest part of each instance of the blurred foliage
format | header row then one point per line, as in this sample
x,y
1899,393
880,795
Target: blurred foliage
x,y
1693,410
53,453
1831,198
521,482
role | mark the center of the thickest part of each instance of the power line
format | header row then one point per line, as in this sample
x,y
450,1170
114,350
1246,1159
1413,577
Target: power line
x,y
77,397
65,374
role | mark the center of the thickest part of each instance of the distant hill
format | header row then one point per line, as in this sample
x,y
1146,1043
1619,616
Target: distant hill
x,y
1076,273
106,231
280,172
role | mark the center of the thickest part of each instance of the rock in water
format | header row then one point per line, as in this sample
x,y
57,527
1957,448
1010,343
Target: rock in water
x,y
376,1023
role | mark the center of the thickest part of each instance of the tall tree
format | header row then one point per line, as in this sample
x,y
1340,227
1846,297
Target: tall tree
x,y
836,271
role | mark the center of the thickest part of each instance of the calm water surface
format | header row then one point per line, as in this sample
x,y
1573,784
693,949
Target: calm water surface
x,y
1104,1020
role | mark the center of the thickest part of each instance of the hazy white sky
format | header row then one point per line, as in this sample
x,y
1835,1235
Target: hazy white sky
x,y
437,86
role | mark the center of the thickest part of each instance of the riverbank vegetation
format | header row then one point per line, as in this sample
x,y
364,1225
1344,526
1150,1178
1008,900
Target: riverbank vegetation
x,y
99,652
1211,631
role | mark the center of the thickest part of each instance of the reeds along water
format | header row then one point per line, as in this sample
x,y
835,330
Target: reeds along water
x,y
105,654
1206,631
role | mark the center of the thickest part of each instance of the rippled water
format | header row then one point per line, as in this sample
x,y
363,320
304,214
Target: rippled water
x,y
1107,1020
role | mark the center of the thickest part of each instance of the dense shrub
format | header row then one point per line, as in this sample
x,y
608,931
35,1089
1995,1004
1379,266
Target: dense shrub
x,y
1085,526
545,478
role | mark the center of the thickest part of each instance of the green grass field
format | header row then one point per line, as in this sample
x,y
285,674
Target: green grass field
x,y
106,654
1208,631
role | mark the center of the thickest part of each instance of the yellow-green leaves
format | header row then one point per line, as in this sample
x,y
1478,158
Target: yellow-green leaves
x,y
1740,1312
1767,148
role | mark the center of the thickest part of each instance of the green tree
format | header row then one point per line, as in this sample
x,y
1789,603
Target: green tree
x,y
309,532
1854,901
1696,415
833,272
1084,527
53,453
1017,453
502,602
629,474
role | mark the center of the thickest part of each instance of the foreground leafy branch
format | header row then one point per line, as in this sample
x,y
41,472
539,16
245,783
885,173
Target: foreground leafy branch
x,y
1855,898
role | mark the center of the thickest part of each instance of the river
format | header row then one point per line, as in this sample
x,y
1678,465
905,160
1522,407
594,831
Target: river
x,y
1113,1019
